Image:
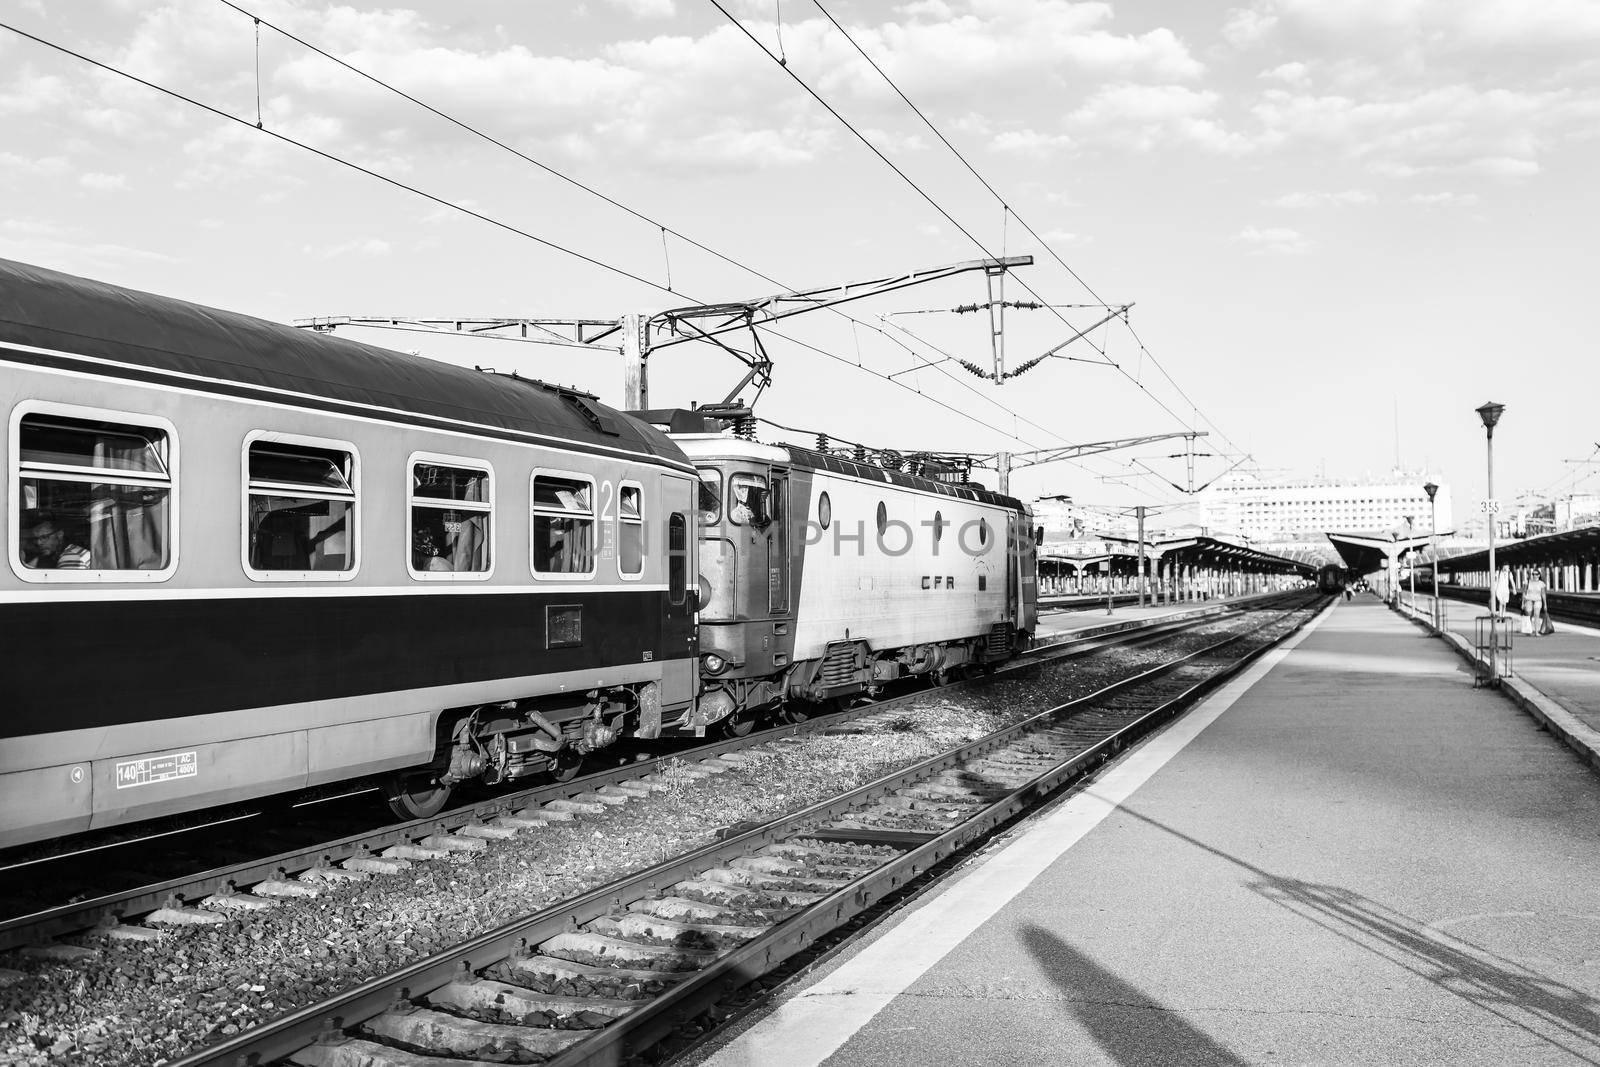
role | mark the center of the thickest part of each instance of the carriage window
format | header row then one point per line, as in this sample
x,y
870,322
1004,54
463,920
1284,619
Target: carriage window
x,y
747,495
451,511
302,503
630,530
710,495
563,524
95,496
677,558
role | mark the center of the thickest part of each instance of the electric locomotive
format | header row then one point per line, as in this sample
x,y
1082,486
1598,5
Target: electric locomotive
x,y
824,578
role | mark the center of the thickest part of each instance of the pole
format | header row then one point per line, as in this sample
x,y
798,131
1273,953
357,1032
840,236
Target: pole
x,y
635,373
1494,576
1108,580
1412,572
1141,555
1002,464
1433,552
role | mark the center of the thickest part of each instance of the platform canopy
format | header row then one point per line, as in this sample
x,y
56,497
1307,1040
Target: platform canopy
x,y
1365,553
1206,551
1567,547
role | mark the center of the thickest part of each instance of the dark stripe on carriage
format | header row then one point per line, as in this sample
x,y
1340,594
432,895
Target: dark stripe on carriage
x,y
72,666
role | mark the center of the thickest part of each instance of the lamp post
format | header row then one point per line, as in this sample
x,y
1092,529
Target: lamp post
x,y
1490,414
1411,561
1433,549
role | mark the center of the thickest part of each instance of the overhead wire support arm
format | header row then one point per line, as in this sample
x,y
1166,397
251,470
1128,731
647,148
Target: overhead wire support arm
x,y
574,333
765,310
1052,455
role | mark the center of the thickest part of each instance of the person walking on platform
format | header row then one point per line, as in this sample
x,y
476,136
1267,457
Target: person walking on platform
x,y
1533,605
1500,592
1536,605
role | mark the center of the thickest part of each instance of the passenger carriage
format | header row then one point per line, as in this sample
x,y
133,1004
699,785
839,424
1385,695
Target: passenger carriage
x,y
300,559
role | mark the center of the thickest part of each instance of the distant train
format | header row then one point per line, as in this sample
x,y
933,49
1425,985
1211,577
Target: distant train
x,y
243,559
1332,579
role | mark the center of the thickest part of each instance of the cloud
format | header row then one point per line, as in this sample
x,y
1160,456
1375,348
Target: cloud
x,y
646,9
1295,74
1060,238
1274,240
101,183
371,246
1346,198
1444,199
14,165
707,100
1145,117
1030,142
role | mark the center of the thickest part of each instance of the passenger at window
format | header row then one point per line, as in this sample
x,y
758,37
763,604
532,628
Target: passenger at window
x,y
53,551
425,553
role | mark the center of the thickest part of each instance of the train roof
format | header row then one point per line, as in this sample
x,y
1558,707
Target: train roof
x,y
223,351
723,445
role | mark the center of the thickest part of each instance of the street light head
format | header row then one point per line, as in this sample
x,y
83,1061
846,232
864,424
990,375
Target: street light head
x,y
1490,414
1430,489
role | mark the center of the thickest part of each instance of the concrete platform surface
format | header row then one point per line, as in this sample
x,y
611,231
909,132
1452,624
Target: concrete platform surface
x,y
1347,856
1564,666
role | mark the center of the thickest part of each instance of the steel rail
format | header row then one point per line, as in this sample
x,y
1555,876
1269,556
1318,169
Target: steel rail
x,y
648,1024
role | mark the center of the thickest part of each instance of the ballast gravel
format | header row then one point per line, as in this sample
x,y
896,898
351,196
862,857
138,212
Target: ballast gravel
x,y
143,1003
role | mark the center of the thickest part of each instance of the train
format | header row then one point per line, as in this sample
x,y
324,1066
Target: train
x,y
1332,579
244,560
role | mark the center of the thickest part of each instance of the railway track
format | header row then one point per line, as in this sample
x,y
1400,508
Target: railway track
x,y
602,976
353,843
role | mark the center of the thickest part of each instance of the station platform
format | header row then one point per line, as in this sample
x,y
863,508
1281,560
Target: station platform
x,y
1555,678
1348,855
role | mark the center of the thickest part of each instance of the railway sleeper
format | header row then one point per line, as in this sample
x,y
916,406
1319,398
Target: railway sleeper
x,y
690,910
486,996
744,895
341,1051
601,950
768,881
435,1030
540,971
675,932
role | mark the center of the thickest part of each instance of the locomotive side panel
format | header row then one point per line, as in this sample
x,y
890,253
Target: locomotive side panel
x,y
932,570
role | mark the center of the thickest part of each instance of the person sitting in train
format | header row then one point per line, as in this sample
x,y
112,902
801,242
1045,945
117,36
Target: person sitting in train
x,y
52,549
425,554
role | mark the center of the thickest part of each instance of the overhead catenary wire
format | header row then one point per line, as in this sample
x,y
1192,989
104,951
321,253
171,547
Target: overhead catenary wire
x,y
1005,204
462,209
664,229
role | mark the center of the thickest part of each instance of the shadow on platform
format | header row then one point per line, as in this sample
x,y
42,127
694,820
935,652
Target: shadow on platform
x,y
1545,1009
1129,1025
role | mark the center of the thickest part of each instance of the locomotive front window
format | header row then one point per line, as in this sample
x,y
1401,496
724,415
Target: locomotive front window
x,y
95,496
563,525
630,530
747,495
710,495
451,512
301,509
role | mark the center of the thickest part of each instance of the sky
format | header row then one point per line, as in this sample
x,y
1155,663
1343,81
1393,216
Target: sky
x,y
1342,224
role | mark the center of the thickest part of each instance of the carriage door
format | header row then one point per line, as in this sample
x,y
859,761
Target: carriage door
x,y
1013,568
778,546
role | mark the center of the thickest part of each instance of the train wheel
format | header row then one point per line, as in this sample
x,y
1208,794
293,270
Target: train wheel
x,y
737,725
416,796
795,711
943,676
564,767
